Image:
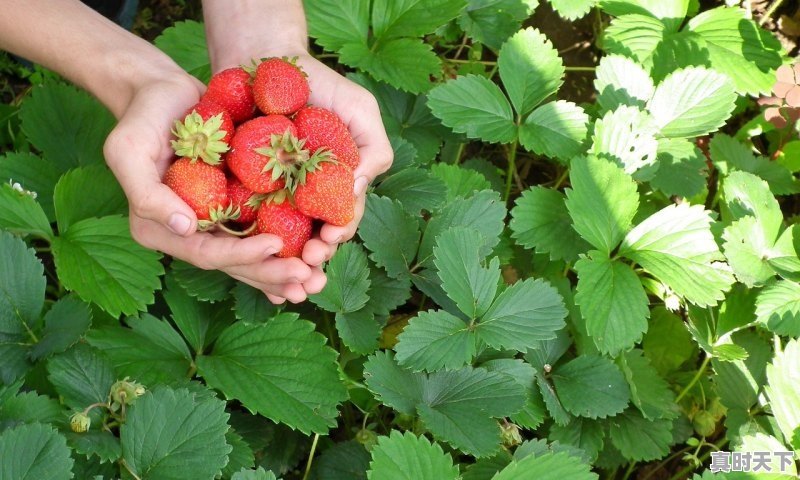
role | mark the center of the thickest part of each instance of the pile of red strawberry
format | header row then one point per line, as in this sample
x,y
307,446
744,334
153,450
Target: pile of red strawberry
x,y
254,158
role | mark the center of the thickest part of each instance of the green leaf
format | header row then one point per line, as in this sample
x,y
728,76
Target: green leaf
x,y
556,129
602,201
747,195
640,439
635,36
66,124
241,457
591,386
408,457
281,369
523,314
621,81
348,281
185,42
34,452
739,383
492,22
396,251
347,460
540,220
257,474
692,102
471,285
206,285
533,412
550,466
405,63
99,443
581,433
676,245
778,308
415,188
737,47
173,434
21,294
650,393
551,401
626,136
21,214
783,389
359,330
392,385
34,174
748,251
474,106
81,376
150,352
572,9
459,181
336,23
29,407
729,154
199,323
612,302
681,168
94,258
64,324
434,340
784,257
412,18
70,196
530,68
671,12
252,305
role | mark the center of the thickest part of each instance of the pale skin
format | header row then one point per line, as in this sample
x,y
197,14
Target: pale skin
x,y
147,91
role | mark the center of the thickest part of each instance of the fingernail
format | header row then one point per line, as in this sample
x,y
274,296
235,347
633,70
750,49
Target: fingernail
x,y
180,224
360,185
338,239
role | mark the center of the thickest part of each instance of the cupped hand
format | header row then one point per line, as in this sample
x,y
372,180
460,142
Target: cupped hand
x,y
138,152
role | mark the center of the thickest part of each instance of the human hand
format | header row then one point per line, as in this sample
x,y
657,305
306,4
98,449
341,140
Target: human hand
x,y
138,152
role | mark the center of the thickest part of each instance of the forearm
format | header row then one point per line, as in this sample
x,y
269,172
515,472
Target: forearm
x,y
83,46
236,30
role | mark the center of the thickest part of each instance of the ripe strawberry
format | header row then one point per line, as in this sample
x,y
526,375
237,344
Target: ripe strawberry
x,y
326,193
278,217
245,200
204,188
206,132
232,89
324,129
280,86
264,152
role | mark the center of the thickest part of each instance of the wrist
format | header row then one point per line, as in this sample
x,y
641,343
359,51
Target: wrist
x,y
226,54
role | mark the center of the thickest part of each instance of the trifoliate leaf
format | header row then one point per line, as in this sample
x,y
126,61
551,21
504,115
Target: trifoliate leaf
x,y
728,155
572,9
748,251
185,43
281,369
626,136
591,386
393,252
150,352
81,376
21,214
173,434
602,201
70,196
492,22
640,439
405,63
635,36
66,124
64,324
649,392
530,68
621,81
474,106
434,340
581,433
783,389
336,23
21,293
692,102
676,245
34,174
550,466
412,18
404,456
747,195
681,168
556,129
523,314
778,308
348,281
94,258
206,285
458,181
415,188
34,452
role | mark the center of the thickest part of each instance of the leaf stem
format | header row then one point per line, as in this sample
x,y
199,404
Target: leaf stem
x,y
683,473
311,456
695,379
125,464
665,462
512,163
580,69
771,10
629,470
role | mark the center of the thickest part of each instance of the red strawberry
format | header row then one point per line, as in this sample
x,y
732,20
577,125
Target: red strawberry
x,y
203,187
264,151
233,90
326,193
280,87
205,132
322,128
245,200
278,217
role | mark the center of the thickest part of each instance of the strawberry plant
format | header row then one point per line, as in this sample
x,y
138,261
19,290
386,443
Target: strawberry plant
x,y
548,283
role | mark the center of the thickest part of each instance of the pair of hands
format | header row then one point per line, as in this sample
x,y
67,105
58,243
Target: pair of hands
x,y
138,152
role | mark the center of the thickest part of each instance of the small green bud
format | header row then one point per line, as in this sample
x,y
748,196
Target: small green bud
x,y
368,438
704,423
510,434
124,392
80,422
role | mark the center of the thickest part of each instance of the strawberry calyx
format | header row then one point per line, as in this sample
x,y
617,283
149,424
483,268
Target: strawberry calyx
x,y
198,138
218,216
314,163
287,156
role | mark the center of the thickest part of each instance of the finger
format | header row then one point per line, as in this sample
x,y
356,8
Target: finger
x,y
272,292
316,252
335,235
294,293
274,271
316,283
275,299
